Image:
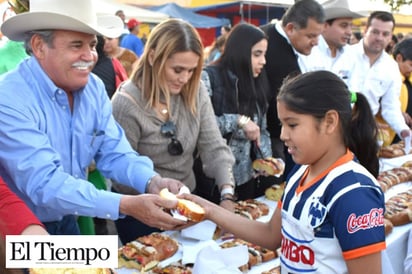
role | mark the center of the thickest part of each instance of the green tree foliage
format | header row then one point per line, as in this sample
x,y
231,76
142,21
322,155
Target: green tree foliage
x,y
395,4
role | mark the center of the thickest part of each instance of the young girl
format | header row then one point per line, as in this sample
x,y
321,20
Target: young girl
x,y
330,218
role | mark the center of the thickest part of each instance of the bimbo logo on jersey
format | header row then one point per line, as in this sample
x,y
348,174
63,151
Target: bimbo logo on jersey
x,y
296,252
366,221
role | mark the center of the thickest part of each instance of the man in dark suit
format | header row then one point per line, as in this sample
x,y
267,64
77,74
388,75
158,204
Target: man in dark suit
x,y
297,33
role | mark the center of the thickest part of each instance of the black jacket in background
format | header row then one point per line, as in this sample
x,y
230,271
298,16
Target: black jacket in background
x,y
104,69
280,62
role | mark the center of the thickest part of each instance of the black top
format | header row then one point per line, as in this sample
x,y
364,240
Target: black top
x,y
281,61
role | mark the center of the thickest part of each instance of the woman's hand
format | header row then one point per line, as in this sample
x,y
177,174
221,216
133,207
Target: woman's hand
x,y
157,183
252,131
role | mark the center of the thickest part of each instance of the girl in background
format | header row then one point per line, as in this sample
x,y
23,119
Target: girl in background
x,y
239,89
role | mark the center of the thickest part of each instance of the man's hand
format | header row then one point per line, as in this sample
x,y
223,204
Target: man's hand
x,y
405,133
382,125
148,208
408,119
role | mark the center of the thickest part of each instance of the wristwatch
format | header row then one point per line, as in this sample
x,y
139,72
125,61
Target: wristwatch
x,y
228,193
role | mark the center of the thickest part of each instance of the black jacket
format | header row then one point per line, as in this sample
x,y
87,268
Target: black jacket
x,y
281,61
224,101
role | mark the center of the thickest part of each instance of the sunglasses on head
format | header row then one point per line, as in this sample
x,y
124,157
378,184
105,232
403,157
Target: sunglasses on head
x,y
168,130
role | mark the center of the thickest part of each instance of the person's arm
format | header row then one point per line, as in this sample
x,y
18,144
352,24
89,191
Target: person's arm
x,y
267,235
390,103
115,157
15,217
361,245
34,229
369,264
265,142
216,155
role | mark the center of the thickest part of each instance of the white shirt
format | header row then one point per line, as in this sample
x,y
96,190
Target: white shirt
x,y
380,83
321,59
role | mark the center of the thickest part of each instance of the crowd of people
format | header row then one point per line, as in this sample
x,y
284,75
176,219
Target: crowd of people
x,y
88,95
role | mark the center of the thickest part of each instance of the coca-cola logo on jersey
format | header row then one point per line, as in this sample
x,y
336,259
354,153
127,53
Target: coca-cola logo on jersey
x,y
366,221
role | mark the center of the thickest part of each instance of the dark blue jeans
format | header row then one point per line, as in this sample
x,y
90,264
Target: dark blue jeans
x,y
67,226
129,229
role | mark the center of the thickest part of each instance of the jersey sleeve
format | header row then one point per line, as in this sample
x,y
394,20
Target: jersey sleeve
x,y
357,217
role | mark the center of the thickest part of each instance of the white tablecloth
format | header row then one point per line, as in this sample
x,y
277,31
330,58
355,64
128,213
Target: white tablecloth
x,y
396,248
397,240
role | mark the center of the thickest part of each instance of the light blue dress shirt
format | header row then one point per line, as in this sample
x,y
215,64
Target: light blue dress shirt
x,y
45,148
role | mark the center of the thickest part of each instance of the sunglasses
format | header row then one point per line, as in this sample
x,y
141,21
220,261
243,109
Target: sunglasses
x,y
168,130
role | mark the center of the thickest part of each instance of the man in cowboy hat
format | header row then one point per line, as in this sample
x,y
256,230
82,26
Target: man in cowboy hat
x,y
55,118
330,53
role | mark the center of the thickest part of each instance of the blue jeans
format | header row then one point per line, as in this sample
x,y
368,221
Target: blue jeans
x,y
67,226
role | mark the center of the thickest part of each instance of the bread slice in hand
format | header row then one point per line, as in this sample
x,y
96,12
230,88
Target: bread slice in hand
x,y
271,166
192,211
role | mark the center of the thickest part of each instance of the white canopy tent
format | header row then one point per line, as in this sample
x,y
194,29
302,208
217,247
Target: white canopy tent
x,y
109,7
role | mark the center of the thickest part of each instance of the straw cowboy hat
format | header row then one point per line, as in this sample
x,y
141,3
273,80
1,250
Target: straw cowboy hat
x,y
74,15
339,9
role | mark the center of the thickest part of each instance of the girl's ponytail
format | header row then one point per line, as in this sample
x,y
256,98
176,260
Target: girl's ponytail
x,y
363,134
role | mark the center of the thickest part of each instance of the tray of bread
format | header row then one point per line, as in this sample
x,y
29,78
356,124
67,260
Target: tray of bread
x,y
257,254
159,253
62,270
394,150
395,179
146,252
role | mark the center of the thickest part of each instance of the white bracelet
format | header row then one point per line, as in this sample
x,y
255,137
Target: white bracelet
x,y
227,190
243,120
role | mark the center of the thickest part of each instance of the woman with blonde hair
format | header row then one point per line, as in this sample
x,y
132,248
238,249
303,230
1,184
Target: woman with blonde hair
x,y
167,115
